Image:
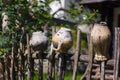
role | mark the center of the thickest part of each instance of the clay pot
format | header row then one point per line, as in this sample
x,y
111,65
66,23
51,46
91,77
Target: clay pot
x,y
101,38
62,40
38,41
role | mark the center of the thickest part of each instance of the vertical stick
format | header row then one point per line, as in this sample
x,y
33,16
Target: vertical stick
x,y
19,66
12,64
21,57
29,75
7,69
51,64
61,67
77,54
49,70
91,58
102,70
88,72
51,60
52,68
3,67
117,53
40,67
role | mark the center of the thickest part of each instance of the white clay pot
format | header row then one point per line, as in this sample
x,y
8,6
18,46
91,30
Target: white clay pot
x,y
63,36
39,41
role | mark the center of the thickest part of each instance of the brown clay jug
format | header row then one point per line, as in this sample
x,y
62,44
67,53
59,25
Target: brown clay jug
x,y
101,37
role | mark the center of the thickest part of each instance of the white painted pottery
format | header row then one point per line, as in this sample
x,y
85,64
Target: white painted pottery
x,y
38,41
62,40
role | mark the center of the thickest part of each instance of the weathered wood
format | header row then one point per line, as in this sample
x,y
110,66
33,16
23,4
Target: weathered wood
x,y
40,67
60,21
51,61
7,69
21,57
76,55
12,63
106,77
29,75
61,66
87,74
106,71
51,67
49,70
102,70
2,68
20,65
70,57
117,53
91,58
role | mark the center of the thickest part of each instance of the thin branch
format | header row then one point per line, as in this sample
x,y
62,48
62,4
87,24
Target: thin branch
x,y
60,9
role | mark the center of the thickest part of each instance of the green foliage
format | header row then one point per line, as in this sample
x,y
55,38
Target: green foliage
x,y
21,15
32,16
90,17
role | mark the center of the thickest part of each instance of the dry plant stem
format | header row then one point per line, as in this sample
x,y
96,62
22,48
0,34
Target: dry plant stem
x,y
76,56
87,74
29,75
117,53
61,66
12,63
102,70
40,67
51,65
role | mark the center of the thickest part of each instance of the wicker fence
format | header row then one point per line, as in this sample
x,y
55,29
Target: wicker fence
x,y
16,65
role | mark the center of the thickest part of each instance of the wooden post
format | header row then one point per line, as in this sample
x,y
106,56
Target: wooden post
x,y
51,66
20,76
117,53
40,67
76,55
49,70
102,70
87,74
29,75
61,66
12,63
21,57
3,67
51,60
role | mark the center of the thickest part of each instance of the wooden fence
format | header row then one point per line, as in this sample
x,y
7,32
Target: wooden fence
x,y
16,65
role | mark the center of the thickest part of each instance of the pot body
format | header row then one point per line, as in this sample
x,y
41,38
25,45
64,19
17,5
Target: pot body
x,y
63,36
101,38
38,41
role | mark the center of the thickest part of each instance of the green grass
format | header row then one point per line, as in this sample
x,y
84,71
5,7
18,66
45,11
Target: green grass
x,y
68,76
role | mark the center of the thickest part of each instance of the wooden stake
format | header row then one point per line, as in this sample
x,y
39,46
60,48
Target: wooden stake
x,y
76,55
117,53
88,72
12,64
102,70
29,75
40,67
61,66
